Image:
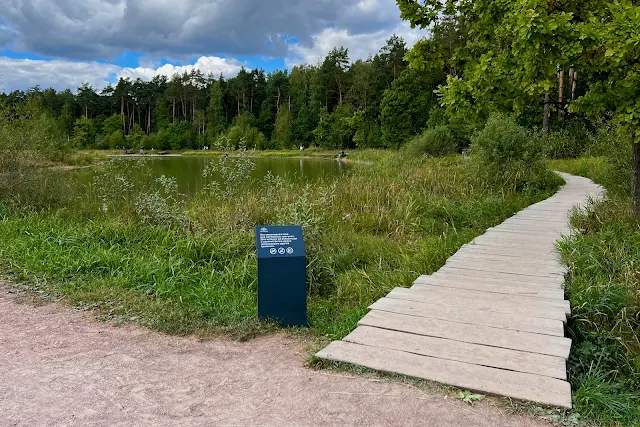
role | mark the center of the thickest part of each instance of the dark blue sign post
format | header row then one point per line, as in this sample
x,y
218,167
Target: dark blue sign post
x,y
282,275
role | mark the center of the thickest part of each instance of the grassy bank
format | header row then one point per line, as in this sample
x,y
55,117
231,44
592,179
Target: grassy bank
x,y
309,152
142,255
603,285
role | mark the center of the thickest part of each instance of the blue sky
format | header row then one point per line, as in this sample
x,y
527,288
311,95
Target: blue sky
x,y
63,43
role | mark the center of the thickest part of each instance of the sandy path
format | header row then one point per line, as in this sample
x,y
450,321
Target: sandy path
x,y
59,368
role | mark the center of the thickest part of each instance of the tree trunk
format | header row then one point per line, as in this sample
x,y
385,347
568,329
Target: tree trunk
x,y
128,118
278,102
545,118
86,111
149,121
560,92
574,85
124,127
635,183
173,114
571,83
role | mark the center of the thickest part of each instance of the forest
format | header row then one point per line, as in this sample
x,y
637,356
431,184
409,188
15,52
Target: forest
x,y
332,104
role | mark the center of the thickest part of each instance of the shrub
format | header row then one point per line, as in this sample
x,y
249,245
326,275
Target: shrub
x,y
510,156
564,144
438,141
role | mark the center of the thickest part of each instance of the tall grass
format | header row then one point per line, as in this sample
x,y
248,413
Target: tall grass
x,y
603,285
192,269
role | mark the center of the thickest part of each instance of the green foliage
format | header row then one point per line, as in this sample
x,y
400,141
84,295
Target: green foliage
x,y
112,124
437,141
612,167
510,156
176,135
31,140
216,121
283,133
405,108
242,134
468,397
134,139
84,133
233,175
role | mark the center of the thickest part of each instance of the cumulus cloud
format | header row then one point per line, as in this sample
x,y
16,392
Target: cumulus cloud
x,y
207,64
104,28
63,74
59,74
360,45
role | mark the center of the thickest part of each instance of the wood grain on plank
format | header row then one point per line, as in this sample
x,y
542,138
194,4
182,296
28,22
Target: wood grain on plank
x,y
519,385
495,296
482,303
470,316
477,334
490,287
442,348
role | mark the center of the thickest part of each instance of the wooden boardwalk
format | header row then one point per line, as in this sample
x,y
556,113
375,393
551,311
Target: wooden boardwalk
x,y
491,320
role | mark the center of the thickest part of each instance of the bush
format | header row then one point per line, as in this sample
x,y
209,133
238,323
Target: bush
x,y
564,144
438,141
571,141
510,156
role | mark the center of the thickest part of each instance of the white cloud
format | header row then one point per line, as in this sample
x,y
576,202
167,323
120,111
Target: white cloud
x,y
61,74
207,64
360,45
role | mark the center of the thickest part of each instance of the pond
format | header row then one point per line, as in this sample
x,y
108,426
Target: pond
x,y
188,170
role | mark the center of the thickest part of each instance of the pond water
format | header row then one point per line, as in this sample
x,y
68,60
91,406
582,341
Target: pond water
x,y
188,170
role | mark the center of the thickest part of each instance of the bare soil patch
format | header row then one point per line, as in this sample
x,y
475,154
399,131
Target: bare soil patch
x,y
60,367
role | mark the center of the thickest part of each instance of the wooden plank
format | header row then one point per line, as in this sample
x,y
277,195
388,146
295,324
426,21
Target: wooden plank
x,y
478,248
514,244
529,232
477,334
476,354
519,385
514,299
554,233
548,281
506,249
490,287
526,282
470,316
505,266
513,234
543,311
532,220
469,255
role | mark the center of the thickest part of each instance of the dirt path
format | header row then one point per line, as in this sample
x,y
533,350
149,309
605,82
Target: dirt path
x,y
59,367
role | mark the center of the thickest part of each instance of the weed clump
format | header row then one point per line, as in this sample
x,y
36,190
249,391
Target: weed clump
x,y
437,141
511,157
